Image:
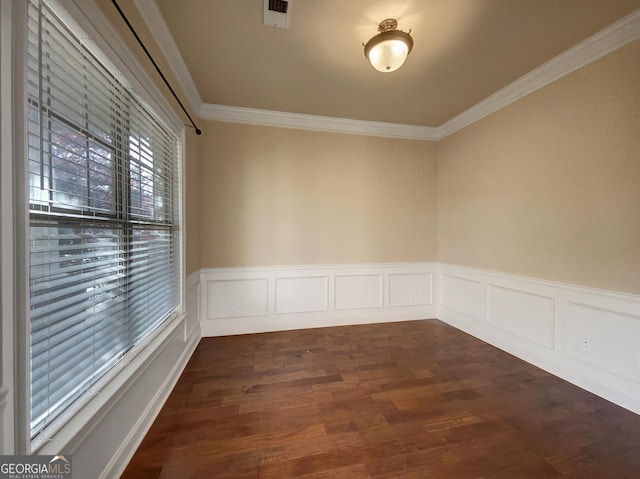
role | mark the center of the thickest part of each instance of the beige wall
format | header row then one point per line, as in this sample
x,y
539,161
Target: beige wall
x,y
191,185
275,196
549,187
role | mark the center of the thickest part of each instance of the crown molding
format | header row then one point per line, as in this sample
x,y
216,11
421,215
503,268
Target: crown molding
x,y
606,41
301,121
160,32
598,45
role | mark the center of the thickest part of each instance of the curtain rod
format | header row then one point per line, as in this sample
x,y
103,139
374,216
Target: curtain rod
x,y
166,82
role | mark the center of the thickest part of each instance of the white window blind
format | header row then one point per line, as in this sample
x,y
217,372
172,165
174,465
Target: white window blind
x,y
103,186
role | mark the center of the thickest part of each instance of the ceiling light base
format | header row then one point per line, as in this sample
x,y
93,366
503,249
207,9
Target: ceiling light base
x,y
388,25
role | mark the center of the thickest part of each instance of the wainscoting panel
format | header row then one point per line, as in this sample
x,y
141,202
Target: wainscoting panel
x,y
589,337
462,295
527,315
592,335
251,300
302,294
236,298
361,291
410,289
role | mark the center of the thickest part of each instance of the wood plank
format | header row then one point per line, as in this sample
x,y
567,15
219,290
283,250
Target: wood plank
x,y
402,400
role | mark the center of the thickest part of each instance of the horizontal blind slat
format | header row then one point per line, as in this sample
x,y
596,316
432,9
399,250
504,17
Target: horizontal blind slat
x,y
103,174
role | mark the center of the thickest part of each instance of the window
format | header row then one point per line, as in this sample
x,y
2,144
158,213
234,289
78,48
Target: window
x,y
103,219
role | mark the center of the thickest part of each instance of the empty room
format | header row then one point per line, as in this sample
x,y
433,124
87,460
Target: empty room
x,y
320,238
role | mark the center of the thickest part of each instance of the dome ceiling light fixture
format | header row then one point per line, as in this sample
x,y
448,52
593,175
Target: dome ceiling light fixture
x,y
388,50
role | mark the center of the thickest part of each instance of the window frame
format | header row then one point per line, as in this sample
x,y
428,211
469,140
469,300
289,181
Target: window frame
x,y
89,23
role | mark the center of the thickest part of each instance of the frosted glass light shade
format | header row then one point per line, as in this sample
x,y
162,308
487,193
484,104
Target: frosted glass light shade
x,y
388,50
389,55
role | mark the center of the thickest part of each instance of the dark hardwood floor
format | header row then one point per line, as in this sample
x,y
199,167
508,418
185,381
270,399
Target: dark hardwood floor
x,y
416,399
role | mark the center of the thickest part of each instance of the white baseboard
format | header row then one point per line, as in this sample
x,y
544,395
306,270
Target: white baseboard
x,y
586,336
253,300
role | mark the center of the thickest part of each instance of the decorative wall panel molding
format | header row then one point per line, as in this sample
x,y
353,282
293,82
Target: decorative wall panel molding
x,y
409,289
358,291
462,295
586,336
236,298
251,300
534,318
302,294
600,342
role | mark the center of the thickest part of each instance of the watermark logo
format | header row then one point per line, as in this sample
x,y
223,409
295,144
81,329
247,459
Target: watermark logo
x,y
35,467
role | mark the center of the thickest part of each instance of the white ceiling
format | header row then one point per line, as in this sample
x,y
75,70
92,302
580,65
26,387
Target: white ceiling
x,y
464,51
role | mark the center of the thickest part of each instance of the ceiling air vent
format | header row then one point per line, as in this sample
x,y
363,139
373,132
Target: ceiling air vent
x,y
276,13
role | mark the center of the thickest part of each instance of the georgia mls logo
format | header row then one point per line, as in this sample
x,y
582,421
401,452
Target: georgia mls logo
x,y
60,465
35,467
